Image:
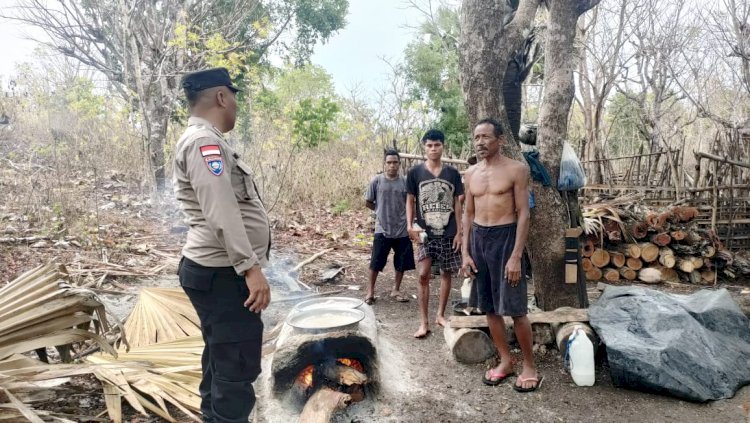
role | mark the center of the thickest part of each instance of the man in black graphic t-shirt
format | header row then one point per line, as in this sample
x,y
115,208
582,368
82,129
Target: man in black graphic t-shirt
x,y
433,192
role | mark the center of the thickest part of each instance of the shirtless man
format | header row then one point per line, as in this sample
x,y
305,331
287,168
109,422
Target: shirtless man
x,y
497,210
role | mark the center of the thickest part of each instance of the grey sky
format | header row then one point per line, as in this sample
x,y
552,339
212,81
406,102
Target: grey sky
x,y
375,29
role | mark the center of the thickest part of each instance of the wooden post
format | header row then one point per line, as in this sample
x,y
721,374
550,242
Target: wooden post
x,y
715,193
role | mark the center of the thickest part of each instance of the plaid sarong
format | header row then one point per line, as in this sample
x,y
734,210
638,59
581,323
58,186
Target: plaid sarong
x,y
440,250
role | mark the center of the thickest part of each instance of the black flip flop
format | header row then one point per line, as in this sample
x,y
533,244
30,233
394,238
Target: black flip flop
x,y
494,382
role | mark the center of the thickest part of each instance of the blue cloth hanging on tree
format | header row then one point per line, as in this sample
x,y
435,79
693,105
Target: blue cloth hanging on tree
x,y
538,172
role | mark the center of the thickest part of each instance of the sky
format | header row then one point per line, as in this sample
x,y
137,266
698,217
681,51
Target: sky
x,y
375,29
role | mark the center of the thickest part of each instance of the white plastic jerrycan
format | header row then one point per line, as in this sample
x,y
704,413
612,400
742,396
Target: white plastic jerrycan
x,y
581,353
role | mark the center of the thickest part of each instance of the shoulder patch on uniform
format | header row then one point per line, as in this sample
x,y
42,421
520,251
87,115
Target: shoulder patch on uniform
x,y
215,164
210,150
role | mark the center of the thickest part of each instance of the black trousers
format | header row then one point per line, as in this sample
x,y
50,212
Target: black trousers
x,y
233,341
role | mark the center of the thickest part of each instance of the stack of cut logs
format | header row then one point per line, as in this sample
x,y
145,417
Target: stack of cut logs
x,y
654,247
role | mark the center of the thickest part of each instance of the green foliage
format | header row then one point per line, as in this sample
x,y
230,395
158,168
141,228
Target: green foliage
x,y
317,20
624,116
342,206
432,69
313,121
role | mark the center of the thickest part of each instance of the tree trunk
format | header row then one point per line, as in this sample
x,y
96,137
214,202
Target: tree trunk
x,y
158,118
485,51
549,218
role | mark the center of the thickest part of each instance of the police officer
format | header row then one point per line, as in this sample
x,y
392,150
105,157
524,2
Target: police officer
x,y
228,241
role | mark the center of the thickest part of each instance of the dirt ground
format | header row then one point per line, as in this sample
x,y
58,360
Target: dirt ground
x,y
420,382
426,385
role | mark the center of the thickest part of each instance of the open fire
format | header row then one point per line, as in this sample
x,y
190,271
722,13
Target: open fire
x,y
336,374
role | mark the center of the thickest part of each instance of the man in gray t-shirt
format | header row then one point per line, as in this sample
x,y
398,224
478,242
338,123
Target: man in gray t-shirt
x,y
386,194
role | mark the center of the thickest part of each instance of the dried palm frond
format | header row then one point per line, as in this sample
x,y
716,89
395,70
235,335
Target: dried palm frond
x,y
166,372
161,315
41,308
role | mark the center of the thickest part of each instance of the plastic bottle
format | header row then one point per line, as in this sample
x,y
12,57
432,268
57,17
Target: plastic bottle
x,y
581,352
466,290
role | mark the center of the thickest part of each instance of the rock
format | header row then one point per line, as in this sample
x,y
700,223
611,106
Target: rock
x,y
694,347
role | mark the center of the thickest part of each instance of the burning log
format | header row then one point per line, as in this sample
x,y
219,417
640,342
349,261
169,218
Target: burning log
x,y
322,404
344,374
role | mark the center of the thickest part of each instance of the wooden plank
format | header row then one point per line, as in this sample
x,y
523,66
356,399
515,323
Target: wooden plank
x,y
558,316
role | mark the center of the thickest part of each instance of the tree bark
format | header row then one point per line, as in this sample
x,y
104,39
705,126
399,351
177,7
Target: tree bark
x,y
485,50
549,218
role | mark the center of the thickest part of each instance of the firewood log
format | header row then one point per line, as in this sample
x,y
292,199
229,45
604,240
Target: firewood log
x,y
586,264
663,218
652,219
708,251
600,258
708,276
650,275
678,235
631,250
628,273
588,247
639,230
661,239
634,263
685,264
697,262
468,345
612,275
614,236
649,251
344,375
322,404
594,274
666,257
617,259
667,274
695,277
687,214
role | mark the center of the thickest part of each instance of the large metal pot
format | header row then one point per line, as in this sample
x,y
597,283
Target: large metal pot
x,y
328,302
321,320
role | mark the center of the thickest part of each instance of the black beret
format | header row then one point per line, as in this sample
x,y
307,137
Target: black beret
x,y
209,78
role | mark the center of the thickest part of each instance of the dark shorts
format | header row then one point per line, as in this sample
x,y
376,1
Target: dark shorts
x,y
491,247
440,250
403,253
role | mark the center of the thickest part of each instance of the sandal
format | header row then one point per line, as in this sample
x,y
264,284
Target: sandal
x,y
495,379
528,379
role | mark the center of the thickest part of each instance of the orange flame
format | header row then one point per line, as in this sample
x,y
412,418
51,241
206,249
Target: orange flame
x,y
305,377
354,364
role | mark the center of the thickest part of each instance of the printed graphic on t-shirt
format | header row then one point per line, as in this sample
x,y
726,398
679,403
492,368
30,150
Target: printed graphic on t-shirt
x,y
436,202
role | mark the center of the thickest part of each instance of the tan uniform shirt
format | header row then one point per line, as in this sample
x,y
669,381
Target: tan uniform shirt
x,y
227,220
